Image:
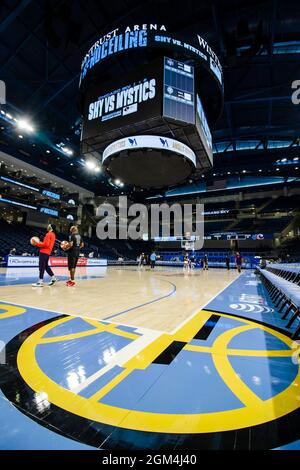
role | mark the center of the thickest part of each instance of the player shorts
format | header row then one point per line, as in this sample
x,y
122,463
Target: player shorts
x,y
72,260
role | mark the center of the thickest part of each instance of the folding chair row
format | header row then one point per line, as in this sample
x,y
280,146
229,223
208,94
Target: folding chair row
x,y
286,297
288,273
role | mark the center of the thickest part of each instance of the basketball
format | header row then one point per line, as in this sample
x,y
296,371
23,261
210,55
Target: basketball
x,y
34,240
64,245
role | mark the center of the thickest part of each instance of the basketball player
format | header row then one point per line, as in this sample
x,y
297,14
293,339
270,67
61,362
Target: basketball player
x,y
75,244
193,262
186,262
205,263
238,261
141,260
152,260
227,262
46,247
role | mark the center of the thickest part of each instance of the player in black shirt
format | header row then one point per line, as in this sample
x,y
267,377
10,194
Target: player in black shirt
x,y
238,261
75,244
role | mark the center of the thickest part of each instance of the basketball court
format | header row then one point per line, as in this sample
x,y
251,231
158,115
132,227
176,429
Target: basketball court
x,y
149,228
139,359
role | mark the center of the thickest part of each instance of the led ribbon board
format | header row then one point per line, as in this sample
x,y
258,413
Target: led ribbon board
x,y
45,192
118,41
150,142
18,183
203,129
51,194
45,210
149,161
238,236
48,211
16,203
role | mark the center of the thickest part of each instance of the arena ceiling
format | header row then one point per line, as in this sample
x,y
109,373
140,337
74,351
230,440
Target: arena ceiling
x,y
258,43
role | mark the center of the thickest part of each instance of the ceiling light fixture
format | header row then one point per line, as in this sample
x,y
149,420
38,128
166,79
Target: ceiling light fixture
x,y
25,125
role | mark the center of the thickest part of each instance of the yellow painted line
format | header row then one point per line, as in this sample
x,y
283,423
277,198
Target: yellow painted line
x,y
10,311
241,352
153,350
54,324
226,371
188,330
194,348
97,324
100,328
141,361
108,387
144,358
71,336
125,334
288,341
111,328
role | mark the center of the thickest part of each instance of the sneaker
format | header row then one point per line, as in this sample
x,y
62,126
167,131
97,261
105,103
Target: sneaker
x,y
68,282
71,284
38,284
53,281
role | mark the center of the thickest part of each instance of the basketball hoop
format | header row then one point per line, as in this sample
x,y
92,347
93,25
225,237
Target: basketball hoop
x,y
188,245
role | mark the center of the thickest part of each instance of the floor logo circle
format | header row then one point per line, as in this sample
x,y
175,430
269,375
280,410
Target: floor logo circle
x,y
143,395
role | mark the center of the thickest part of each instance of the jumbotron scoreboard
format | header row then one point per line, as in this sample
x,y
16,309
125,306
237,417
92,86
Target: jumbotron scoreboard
x,y
150,126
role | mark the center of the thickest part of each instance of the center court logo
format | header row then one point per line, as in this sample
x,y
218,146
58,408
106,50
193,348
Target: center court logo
x,y
135,221
232,361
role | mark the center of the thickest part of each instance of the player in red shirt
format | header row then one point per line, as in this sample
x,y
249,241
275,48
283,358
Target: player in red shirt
x,y
46,247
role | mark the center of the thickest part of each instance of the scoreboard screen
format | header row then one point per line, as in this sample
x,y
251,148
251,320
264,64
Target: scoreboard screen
x,y
126,101
179,95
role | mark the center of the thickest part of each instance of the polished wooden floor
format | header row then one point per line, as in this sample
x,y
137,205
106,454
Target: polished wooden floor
x,y
160,299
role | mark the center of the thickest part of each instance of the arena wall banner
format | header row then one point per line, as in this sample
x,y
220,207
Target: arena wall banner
x,y
33,261
22,261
